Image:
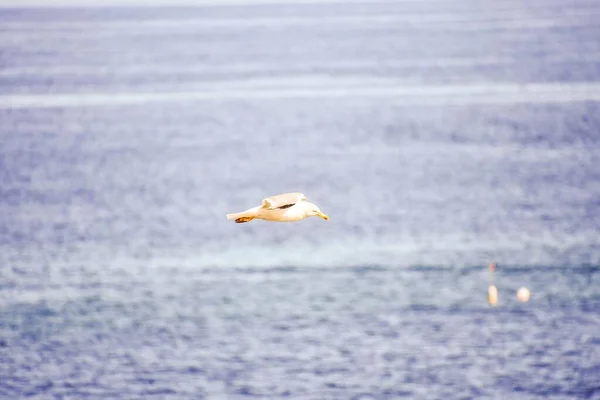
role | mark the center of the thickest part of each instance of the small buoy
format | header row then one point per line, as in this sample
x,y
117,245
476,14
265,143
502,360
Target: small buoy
x,y
492,295
523,294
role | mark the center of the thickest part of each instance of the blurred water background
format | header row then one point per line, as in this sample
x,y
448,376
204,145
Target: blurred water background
x,y
438,136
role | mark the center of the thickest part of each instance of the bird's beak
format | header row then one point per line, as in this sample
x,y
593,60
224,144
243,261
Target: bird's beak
x,y
325,217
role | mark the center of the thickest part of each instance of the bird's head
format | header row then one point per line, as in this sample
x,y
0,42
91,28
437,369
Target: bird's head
x,y
313,210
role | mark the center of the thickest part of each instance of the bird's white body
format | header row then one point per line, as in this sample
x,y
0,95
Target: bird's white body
x,y
295,213
287,207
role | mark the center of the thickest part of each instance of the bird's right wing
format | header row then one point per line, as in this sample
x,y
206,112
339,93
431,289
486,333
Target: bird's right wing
x,y
282,200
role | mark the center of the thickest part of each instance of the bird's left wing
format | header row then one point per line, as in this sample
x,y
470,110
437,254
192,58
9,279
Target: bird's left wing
x,y
282,200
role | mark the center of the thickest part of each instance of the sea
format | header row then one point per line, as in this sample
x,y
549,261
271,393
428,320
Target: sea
x,y
440,136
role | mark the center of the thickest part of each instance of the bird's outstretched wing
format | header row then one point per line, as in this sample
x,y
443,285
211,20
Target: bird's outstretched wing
x,y
282,201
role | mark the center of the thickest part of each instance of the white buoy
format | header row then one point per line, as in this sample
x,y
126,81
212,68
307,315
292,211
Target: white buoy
x,y
523,294
492,295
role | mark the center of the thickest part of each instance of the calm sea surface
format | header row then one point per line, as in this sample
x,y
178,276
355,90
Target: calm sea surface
x,y
439,136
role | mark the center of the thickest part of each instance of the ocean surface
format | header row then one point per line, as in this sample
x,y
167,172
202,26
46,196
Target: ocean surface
x,y
439,136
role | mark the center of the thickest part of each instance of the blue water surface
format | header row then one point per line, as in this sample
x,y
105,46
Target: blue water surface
x,y
438,136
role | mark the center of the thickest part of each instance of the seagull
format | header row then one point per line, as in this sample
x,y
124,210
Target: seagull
x,y
287,207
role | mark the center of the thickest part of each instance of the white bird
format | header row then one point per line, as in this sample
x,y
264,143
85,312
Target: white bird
x,y
286,207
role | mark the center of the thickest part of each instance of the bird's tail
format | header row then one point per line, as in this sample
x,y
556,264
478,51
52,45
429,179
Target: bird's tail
x,y
242,217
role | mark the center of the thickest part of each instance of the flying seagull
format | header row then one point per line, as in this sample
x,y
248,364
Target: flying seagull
x,y
286,207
